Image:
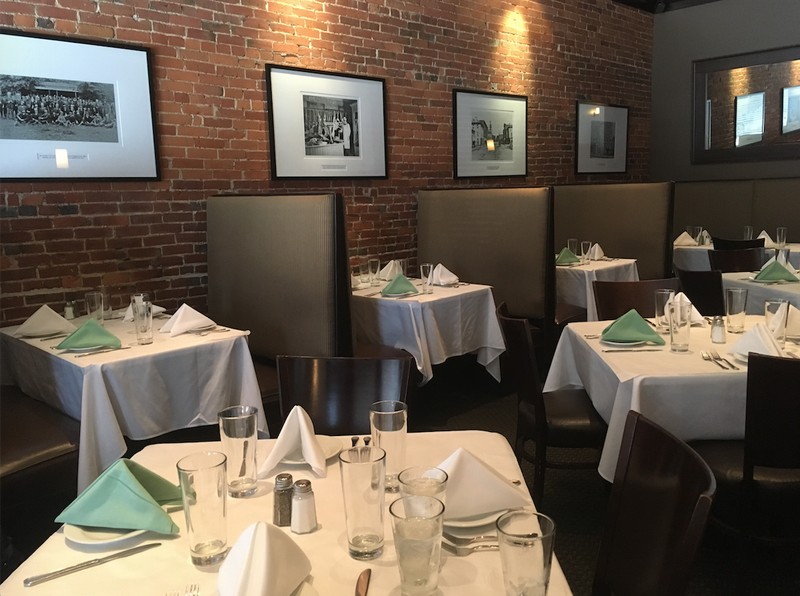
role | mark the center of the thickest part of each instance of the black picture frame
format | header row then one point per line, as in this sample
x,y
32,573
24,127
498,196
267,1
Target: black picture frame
x,y
325,124
89,115
485,126
601,140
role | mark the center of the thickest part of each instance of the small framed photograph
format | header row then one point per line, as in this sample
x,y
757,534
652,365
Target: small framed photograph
x,y
790,110
87,115
602,138
749,119
326,125
489,136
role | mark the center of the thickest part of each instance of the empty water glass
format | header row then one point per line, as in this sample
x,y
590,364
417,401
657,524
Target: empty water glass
x,y
586,246
374,272
748,233
780,237
735,303
426,273
572,246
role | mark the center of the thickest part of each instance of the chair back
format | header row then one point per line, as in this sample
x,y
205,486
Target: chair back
x,y
725,244
337,392
614,298
657,513
745,259
704,289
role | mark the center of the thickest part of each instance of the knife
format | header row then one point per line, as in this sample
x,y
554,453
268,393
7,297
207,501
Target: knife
x,y
634,350
102,351
38,579
362,583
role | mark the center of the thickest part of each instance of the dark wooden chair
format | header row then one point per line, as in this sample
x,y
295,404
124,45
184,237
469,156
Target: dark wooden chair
x,y
338,391
704,289
614,298
563,418
747,259
758,478
657,514
725,244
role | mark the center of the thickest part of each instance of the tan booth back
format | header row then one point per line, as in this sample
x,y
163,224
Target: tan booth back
x,y
631,220
496,236
278,266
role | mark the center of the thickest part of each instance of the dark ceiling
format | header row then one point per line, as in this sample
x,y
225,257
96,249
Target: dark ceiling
x,y
659,6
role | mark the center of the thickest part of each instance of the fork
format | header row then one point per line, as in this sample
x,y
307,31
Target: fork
x,y
467,540
715,355
707,356
463,551
192,590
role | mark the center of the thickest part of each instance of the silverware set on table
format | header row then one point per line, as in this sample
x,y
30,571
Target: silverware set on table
x,y
191,590
466,545
723,363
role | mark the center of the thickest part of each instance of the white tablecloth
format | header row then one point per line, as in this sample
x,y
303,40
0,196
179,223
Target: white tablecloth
x,y
433,327
692,398
574,283
168,568
695,258
758,293
141,392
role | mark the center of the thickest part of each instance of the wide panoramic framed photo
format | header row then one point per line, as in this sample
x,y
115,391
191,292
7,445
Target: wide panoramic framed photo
x,y
485,128
601,138
75,110
325,125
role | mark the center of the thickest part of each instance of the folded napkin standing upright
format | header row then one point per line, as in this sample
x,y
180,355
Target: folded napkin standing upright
x,y
793,323
126,496
696,318
777,325
596,253
296,441
704,239
473,488
391,270
90,335
759,339
775,271
684,239
629,328
186,319
442,276
768,241
789,267
264,561
45,321
399,286
566,257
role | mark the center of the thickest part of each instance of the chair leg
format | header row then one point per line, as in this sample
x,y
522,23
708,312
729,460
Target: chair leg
x,y
540,463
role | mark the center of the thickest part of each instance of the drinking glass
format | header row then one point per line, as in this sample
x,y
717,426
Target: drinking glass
x,y
748,233
735,303
94,306
426,273
238,433
388,427
363,475
374,272
680,325
143,321
782,255
572,245
662,296
417,529
363,274
776,315
202,479
697,234
780,237
421,480
526,541
586,246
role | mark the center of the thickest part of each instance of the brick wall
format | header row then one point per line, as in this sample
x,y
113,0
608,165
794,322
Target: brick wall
x,y
60,239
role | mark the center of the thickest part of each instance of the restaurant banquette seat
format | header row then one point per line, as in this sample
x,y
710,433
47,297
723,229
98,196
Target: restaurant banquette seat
x,y
746,259
704,289
564,418
657,514
336,392
615,298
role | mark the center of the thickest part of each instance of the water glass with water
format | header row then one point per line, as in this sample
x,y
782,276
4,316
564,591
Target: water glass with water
x,y
363,476
388,422
417,523
526,541
238,433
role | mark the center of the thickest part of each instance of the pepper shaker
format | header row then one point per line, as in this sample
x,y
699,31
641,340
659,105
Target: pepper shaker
x,y
282,508
304,509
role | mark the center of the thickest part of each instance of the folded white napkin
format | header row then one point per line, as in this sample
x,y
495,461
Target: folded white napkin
x,y
391,270
264,561
186,319
473,488
296,441
768,241
777,325
442,276
793,322
705,238
758,339
45,321
787,265
684,239
596,253
129,313
696,318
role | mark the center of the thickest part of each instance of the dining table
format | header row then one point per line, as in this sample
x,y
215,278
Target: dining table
x,y
139,391
758,292
574,281
695,258
168,568
451,321
690,396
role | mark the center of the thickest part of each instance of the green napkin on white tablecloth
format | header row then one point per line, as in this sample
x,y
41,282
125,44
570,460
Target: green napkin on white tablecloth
x,y
566,257
90,335
775,271
631,327
399,286
126,496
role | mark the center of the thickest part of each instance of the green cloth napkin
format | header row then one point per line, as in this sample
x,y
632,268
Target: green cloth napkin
x,y
398,286
775,271
631,327
566,257
90,335
126,496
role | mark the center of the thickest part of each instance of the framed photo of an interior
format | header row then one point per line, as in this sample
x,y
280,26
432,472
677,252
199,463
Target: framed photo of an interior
x,y
75,110
325,125
601,138
485,127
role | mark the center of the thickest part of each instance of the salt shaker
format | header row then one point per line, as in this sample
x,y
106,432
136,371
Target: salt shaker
x,y
304,509
717,330
282,508
69,310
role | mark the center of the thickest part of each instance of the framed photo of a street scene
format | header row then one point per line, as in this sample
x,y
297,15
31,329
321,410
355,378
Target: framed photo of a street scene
x,y
602,138
75,110
489,134
325,125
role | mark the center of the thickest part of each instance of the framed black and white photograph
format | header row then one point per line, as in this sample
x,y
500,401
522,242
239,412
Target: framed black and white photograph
x,y
749,119
486,126
87,115
324,124
602,138
790,109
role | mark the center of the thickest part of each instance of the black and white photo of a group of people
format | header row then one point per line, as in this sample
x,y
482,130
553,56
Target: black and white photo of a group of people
x,y
331,120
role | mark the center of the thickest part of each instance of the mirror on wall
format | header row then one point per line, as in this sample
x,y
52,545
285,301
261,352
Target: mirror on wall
x,y
747,107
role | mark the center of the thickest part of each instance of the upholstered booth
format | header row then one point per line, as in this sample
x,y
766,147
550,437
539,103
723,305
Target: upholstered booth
x,y
627,220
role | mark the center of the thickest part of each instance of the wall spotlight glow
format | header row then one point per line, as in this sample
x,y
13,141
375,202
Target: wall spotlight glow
x,y
490,144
